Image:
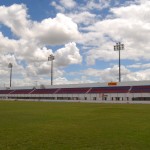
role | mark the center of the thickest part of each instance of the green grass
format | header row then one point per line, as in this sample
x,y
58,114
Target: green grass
x,y
74,126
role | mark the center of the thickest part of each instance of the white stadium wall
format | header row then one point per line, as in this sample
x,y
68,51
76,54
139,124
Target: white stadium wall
x,y
112,91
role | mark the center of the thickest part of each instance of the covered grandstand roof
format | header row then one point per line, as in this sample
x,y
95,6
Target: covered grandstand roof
x,y
105,84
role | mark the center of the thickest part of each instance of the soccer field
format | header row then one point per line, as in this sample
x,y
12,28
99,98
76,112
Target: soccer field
x,y
74,126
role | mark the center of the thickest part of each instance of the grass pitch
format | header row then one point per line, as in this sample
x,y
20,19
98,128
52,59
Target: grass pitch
x,y
74,126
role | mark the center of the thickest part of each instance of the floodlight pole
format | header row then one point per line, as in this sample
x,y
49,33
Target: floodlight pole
x,y
10,66
51,58
119,47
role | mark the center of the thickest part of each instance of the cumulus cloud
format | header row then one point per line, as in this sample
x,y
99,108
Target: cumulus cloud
x,y
138,75
59,30
64,5
111,74
63,80
7,45
84,18
28,52
15,17
108,74
139,65
33,40
68,3
34,36
68,55
129,24
101,4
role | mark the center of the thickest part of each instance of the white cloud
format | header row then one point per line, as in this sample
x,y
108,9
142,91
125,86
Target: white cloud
x,y
59,30
87,5
138,76
101,4
57,6
28,52
130,25
64,5
15,17
85,17
63,80
68,55
111,74
7,45
108,74
41,54
139,65
68,3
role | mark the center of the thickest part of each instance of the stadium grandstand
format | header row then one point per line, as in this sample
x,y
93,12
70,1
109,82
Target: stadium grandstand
x,y
112,91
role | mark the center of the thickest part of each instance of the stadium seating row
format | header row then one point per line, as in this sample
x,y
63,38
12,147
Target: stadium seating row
x,y
121,89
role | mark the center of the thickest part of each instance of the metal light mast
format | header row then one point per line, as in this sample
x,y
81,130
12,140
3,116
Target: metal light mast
x,y
119,47
51,58
10,66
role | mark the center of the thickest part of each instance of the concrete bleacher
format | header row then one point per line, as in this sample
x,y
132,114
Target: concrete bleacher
x,y
110,89
72,90
96,91
121,89
21,91
6,91
43,91
140,89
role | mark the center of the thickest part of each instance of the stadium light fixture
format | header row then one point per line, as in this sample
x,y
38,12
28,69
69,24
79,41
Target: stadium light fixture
x,y
119,47
51,58
10,66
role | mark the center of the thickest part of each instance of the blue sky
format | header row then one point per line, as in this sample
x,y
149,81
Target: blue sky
x,y
81,36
